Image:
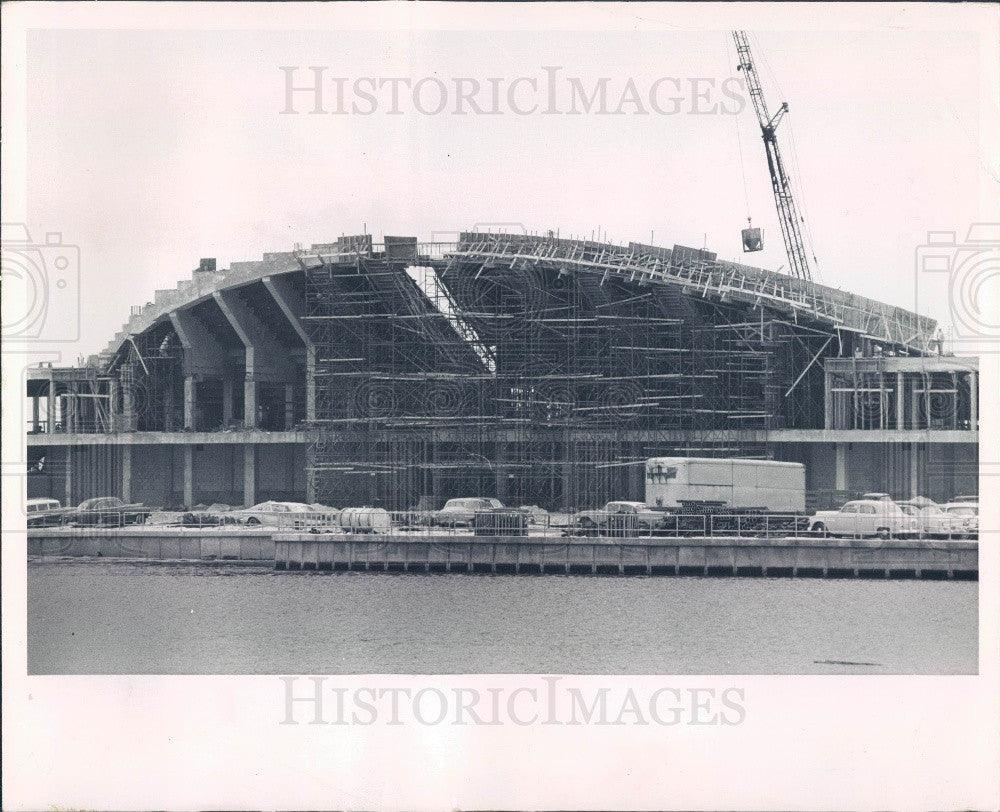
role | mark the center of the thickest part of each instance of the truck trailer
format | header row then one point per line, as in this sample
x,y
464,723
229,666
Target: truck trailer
x,y
678,483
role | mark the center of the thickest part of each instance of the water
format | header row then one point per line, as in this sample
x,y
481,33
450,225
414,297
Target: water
x,y
133,617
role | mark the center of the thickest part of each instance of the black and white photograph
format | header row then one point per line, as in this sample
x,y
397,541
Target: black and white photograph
x,y
593,394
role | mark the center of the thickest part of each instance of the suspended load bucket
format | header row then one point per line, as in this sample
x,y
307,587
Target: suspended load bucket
x,y
753,240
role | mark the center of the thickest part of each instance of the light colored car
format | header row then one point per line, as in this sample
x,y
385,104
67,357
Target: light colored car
x,y
932,519
462,512
876,497
535,514
43,512
619,515
966,516
292,515
865,517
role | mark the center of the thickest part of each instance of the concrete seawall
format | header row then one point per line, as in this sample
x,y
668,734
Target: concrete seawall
x,y
155,543
789,557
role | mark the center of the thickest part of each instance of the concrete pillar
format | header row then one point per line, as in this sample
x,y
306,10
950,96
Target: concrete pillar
x,y
228,396
127,473
915,479
128,409
310,384
827,400
114,418
188,475
900,401
500,473
974,401
50,409
68,480
169,423
310,486
840,476
250,402
35,415
190,402
289,406
71,404
249,475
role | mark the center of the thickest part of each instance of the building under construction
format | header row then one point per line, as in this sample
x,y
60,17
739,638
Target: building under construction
x,y
531,368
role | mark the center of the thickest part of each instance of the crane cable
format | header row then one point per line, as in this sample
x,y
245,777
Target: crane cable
x,y
805,217
739,140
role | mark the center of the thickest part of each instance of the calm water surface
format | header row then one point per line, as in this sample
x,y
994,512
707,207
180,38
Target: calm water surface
x,y
131,617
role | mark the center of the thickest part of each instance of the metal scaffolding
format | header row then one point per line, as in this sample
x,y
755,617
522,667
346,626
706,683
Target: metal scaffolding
x,y
545,371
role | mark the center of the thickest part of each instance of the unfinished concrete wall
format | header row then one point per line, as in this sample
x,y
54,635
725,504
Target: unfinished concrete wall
x,y
280,472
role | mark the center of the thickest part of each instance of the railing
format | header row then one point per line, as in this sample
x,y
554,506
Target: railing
x,y
415,524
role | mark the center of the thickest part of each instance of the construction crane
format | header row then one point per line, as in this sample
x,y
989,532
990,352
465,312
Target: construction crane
x,y
787,214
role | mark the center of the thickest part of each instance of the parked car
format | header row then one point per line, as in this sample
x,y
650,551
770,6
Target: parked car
x,y
877,497
535,514
865,517
212,515
44,512
932,520
966,515
965,499
462,512
107,510
292,515
619,516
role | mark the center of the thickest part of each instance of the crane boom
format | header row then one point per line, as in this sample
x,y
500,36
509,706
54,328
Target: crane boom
x,y
781,186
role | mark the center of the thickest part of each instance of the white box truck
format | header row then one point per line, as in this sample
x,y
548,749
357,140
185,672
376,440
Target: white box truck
x,y
674,483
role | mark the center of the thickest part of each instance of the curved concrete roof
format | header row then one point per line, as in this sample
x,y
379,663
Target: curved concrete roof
x,y
696,271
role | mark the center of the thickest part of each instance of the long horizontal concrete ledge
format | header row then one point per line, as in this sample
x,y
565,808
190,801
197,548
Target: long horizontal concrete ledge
x,y
792,557
154,543
257,436
169,438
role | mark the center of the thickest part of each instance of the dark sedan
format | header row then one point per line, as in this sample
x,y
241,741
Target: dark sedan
x,y
109,511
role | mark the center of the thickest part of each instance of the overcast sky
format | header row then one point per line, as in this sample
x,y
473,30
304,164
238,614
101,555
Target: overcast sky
x,y
152,149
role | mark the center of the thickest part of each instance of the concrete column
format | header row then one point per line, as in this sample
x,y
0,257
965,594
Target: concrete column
x,y
840,476
900,401
127,473
500,473
190,402
827,400
35,415
50,409
169,423
974,401
250,402
128,409
249,475
228,395
71,403
188,475
310,385
289,406
113,415
915,489
310,486
68,480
